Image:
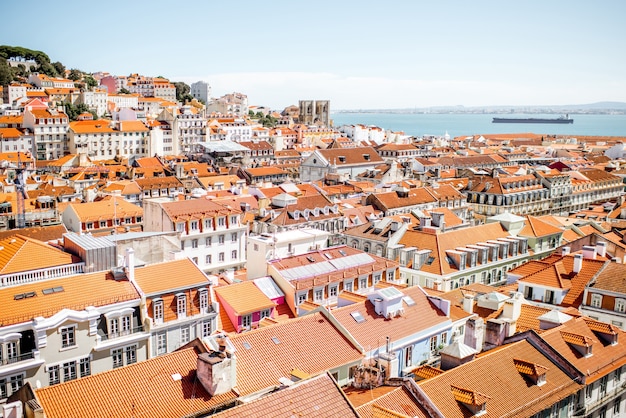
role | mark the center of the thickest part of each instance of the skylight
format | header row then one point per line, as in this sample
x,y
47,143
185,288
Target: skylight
x,y
247,345
408,300
276,340
311,259
430,260
342,252
26,295
52,290
329,256
356,315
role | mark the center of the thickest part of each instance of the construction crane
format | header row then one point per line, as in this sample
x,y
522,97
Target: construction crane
x,y
20,190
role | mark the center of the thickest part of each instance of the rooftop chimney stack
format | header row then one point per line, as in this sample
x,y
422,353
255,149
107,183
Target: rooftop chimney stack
x,y
565,250
601,248
578,263
130,264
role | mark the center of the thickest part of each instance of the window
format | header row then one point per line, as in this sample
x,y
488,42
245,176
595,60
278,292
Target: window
x,y
103,224
194,243
208,223
616,403
433,343
347,286
209,258
203,296
68,337
113,328
620,305
333,291
246,321
221,221
362,283
301,298
85,367
181,306
69,371
180,227
220,239
408,356
233,255
184,335
208,241
54,376
376,278
125,325
11,350
318,295
233,220
206,328
444,338
158,311
131,354
596,301
118,358
233,237
589,391
161,344
265,313
221,256
193,225
16,382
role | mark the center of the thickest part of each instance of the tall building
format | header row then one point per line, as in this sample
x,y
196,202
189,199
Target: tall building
x,y
201,90
315,112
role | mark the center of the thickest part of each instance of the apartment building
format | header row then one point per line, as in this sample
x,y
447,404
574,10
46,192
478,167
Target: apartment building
x,y
318,277
49,127
211,234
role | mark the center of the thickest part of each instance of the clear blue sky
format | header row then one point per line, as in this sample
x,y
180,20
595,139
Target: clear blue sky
x,y
358,54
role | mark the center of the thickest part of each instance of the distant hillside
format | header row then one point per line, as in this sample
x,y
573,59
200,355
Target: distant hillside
x,y
599,107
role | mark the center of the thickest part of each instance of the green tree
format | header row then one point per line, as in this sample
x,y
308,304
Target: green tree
x,y
60,68
182,90
75,75
123,91
6,75
90,81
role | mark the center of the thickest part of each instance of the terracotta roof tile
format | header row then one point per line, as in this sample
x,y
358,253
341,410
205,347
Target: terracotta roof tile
x,y
318,396
494,378
146,389
76,292
156,278
310,343
16,255
244,298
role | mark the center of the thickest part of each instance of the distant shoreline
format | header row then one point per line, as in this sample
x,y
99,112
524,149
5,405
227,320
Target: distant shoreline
x,y
485,111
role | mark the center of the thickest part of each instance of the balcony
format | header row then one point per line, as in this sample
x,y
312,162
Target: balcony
x,y
110,340
42,274
16,359
113,335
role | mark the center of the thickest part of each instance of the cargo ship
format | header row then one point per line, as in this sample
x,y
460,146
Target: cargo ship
x,y
560,119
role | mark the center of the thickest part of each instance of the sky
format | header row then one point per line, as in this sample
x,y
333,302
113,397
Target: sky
x,y
357,54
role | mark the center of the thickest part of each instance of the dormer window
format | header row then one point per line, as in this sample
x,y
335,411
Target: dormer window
x,y
533,371
475,402
157,311
181,305
203,296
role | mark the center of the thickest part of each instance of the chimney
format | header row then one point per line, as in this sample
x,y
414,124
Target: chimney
x,y
578,263
513,306
130,264
565,251
601,248
468,303
216,370
589,252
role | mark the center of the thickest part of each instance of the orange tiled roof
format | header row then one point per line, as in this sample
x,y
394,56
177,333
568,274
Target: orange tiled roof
x,y
105,209
78,292
156,278
16,255
511,396
420,316
318,396
244,298
605,357
148,388
310,343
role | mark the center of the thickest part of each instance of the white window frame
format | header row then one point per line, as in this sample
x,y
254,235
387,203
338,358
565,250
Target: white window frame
x,y
181,305
68,336
157,308
596,300
246,321
203,298
620,305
